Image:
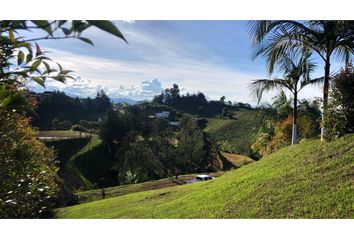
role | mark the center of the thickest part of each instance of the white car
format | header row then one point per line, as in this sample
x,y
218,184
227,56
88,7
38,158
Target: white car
x,y
203,178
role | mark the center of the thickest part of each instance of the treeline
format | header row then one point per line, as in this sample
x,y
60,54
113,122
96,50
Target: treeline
x,y
66,111
146,148
196,104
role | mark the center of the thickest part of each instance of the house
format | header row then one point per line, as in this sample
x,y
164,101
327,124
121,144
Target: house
x,y
174,124
163,114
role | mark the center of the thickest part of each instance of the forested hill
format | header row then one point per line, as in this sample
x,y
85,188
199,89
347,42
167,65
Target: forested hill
x,y
58,105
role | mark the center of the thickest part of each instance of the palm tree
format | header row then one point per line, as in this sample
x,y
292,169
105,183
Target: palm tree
x,y
326,38
281,104
296,77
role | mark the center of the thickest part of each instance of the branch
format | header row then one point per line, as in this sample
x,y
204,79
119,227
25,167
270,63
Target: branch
x,y
48,38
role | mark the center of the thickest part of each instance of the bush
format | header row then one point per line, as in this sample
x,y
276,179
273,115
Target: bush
x,y
340,118
27,170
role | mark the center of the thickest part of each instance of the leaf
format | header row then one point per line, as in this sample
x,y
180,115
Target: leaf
x,y
38,50
59,78
44,58
29,57
36,64
86,40
83,26
43,24
66,31
61,22
46,66
20,57
64,72
11,35
60,67
109,27
38,80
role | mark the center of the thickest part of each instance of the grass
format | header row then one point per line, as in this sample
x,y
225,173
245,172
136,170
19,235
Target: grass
x,y
239,132
93,164
309,180
92,195
84,162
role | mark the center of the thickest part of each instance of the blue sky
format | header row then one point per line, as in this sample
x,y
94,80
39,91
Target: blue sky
x,y
214,57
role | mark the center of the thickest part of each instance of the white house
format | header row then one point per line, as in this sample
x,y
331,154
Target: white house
x,y
163,114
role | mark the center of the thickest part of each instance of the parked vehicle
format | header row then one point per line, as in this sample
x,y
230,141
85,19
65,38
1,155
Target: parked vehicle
x,y
199,178
203,178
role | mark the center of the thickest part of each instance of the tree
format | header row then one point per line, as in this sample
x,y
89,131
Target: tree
x,y
171,95
282,104
103,102
113,129
27,170
55,124
191,146
340,120
222,100
326,38
296,77
139,164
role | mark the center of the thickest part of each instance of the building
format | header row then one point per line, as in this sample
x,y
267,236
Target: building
x,y
163,114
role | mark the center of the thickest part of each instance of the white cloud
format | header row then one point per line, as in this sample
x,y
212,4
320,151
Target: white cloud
x,y
86,88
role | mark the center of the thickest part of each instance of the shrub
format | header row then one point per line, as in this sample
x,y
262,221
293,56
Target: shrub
x,y
27,170
340,117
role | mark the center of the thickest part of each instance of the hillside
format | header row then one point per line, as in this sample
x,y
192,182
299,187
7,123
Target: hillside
x,y
84,162
240,132
308,180
96,194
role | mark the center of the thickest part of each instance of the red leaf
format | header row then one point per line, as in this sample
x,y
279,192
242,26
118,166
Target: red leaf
x,y
38,50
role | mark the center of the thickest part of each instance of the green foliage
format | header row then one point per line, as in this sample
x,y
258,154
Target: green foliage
x,y
61,125
225,146
130,131
114,128
139,164
312,179
58,105
327,38
340,120
27,170
192,147
274,132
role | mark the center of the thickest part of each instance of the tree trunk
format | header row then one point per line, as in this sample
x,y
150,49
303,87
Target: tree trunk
x,y
325,98
294,131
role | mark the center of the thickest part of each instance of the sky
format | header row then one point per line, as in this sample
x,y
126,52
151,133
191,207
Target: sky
x,y
214,57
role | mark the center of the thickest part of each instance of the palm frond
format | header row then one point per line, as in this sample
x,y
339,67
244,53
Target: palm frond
x,y
344,51
258,86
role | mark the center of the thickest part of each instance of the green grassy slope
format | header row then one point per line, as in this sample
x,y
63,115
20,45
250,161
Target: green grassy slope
x,y
308,180
84,162
93,163
239,132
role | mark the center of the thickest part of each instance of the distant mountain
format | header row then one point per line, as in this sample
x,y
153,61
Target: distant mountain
x,y
124,100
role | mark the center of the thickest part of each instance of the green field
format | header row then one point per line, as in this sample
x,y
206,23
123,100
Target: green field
x,y
309,180
239,132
